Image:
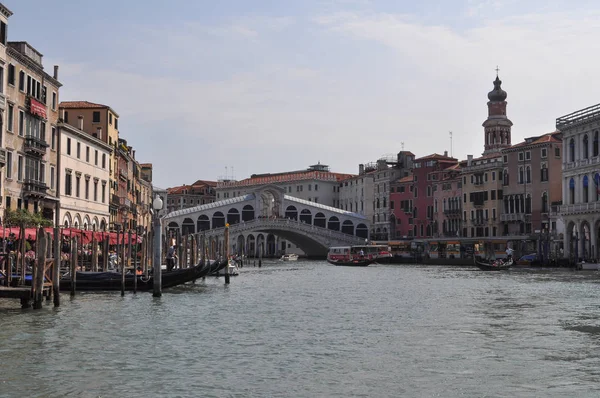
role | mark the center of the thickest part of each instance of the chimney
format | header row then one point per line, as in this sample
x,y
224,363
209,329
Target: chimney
x,y
361,169
446,153
469,160
133,154
80,120
99,133
55,72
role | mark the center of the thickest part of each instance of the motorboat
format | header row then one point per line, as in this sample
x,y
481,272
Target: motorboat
x,y
289,257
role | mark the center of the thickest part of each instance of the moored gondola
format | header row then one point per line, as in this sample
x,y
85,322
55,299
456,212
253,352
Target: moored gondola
x,y
494,265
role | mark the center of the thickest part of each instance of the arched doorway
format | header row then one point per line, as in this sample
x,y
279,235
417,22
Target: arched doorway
x,y
233,216
348,227
333,223
291,212
320,220
247,213
187,227
306,216
203,223
218,220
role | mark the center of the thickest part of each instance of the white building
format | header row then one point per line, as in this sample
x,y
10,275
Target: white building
x,y
356,194
84,178
5,13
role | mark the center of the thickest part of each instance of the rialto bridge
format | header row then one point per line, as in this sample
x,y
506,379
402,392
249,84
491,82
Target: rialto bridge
x,y
261,221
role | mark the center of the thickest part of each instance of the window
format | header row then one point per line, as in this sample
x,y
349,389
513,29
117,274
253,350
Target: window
x,y
104,165
77,185
20,168
116,123
68,183
87,154
96,117
11,74
110,118
544,172
68,146
21,123
53,139
572,150
9,165
103,191
96,157
544,153
505,158
87,187
11,110
521,156
22,81
51,177
1,79
585,147
3,33
66,117
78,150
53,100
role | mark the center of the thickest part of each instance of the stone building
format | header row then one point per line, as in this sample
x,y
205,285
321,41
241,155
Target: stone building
x,y
31,132
580,182
84,171
199,193
5,13
447,203
356,193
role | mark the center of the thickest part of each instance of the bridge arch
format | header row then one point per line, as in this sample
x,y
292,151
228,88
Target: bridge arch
x,y
218,220
333,223
306,216
291,212
251,245
348,227
320,220
247,213
203,223
187,227
233,216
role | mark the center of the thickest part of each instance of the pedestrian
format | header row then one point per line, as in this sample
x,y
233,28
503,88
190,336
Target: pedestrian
x,y
171,257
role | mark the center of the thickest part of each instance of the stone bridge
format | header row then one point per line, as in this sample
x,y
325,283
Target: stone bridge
x,y
260,223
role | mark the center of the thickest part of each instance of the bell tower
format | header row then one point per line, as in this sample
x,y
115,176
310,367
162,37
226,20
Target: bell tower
x,y
497,127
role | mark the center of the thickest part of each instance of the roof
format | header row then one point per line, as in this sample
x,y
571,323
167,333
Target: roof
x,y
208,206
435,156
404,179
84,105
204,182
145,164
546,138
286,178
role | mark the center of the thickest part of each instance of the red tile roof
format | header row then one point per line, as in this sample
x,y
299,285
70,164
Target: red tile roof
x,y
435,156
81,105
548,137
287,177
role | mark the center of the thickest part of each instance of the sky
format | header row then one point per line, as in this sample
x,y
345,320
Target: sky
x,y
225,89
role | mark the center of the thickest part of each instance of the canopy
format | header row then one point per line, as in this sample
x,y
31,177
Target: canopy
x,y
84,236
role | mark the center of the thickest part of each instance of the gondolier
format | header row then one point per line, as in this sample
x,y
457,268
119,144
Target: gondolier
x,y
509,253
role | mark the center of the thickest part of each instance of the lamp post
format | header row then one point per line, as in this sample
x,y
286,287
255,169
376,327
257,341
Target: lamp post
x,y
157,205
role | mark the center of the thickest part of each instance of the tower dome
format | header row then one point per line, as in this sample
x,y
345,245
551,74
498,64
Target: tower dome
x,y
497,94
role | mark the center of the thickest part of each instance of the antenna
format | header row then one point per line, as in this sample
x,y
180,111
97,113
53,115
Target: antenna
x,y
225,172
451,145
402,144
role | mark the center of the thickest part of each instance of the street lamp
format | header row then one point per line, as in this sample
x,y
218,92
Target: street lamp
x,y
157,205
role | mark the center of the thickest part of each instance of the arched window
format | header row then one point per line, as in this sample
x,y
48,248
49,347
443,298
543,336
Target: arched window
x,y
506,204
544,172
572,191
595,148
528,174
597,184
572,150
505,177
521,176
586,148
528,204
445,208
545,202
585,189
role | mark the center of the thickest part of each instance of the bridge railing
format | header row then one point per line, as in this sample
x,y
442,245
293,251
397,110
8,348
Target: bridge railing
x,y
285,223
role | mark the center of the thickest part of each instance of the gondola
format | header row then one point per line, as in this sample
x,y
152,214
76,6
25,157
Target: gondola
x,y
493,265
106,281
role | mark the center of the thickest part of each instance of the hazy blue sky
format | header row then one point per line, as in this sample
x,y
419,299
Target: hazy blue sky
x,y
269,86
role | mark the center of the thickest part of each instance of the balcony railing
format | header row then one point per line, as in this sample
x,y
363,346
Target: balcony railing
x,y
34,188
479,221
35,145
580,208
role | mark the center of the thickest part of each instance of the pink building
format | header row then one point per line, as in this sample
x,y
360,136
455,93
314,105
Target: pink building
x,y
447,203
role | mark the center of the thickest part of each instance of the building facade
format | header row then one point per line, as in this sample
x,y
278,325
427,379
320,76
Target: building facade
x,y
580,182
31,132
356,193
447,203
199,193
482,177
84,171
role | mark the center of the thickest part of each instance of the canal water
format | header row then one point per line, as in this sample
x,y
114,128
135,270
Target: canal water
x,y
308,329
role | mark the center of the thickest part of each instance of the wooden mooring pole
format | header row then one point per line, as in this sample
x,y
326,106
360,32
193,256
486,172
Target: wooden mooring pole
x,y
73,265
56,270
122,247
226,243
38,283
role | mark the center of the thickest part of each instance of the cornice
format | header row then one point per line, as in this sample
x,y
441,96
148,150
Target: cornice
x,y
82,134
23,59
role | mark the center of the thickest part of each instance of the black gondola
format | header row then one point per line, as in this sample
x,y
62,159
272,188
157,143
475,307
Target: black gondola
x,y
105,281
494,265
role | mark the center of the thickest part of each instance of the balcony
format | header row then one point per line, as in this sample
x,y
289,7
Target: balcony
x,y
2,157
2,101
452,212
479,203
34,188
133,208
580,208
35,146
515,217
